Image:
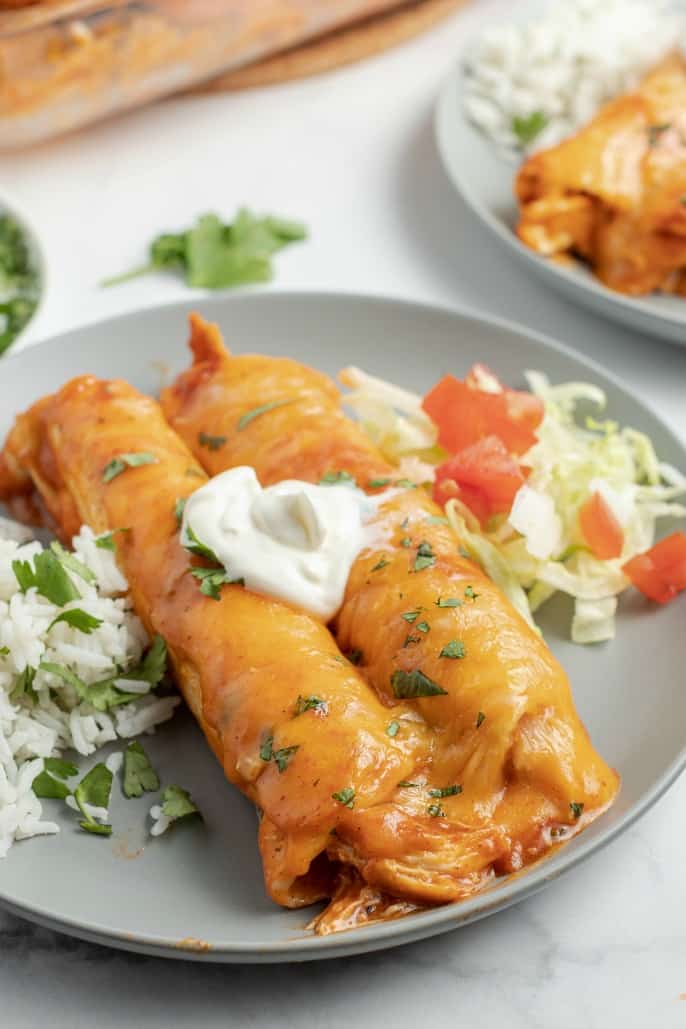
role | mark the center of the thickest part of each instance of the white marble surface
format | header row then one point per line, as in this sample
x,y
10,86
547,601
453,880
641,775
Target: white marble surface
x,y
353,154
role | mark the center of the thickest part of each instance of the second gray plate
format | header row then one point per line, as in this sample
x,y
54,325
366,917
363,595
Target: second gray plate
x,y
199,892
485,181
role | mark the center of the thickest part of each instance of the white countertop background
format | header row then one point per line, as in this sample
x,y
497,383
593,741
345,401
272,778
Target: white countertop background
x,y
352,154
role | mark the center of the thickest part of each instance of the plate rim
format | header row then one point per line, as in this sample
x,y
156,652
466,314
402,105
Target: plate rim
x,y
433,921
625,309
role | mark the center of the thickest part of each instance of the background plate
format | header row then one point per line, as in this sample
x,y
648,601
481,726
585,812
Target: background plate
x,y
198,892
485,181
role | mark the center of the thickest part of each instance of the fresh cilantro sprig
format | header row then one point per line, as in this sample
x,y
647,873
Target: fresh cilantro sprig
x,y
213,254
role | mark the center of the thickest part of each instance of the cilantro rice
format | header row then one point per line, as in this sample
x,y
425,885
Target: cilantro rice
x,y
45,713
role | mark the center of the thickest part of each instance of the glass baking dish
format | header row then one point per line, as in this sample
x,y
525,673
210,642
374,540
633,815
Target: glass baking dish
x,y
66,63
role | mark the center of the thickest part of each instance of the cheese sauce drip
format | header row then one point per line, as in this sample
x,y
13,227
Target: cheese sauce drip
x,y
295,541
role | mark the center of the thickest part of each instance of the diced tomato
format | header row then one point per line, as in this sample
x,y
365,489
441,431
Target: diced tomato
x,y
465,414
660,573
601,530
484,476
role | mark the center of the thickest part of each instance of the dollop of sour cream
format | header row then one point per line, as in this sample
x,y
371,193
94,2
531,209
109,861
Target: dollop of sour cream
x,y
294,541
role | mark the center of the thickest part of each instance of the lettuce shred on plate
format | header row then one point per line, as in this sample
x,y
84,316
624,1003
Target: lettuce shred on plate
x,y
538,549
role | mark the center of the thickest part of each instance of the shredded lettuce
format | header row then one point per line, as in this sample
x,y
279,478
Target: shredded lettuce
x,y
392,417
539,550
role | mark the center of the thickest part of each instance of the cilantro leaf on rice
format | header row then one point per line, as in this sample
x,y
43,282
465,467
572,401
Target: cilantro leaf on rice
x,y
79,619
94,792
48,576
46,786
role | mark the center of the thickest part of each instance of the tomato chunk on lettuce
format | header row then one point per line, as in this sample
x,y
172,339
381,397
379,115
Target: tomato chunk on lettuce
x,y
601,529
484,476
660,573
468,411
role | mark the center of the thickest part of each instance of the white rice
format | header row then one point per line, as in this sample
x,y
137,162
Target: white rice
x,y
564,65
58,721
160,821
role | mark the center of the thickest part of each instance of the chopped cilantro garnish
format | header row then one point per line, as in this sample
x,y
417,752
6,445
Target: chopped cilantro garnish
x,y
411,616
405,785
119,464
346,797
381,563
23,685
480,719
410,640
72,563
139,775
406,542
448,602
454,649
310,703
179,509
46,787
57,766
65,674
422,627
405,483
336,478
577,809
445,791
283,756
527,127
94,790
469,592
97,828
211,442
154,664
106,541
249,416
377,483
464,552
177,803
425,557
212,579
200,549
77,619
104,694
408,685
392,729
48,576
436,811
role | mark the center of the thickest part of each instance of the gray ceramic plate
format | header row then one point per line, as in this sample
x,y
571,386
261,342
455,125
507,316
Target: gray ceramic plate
x,y
198,892
484,179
